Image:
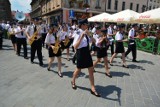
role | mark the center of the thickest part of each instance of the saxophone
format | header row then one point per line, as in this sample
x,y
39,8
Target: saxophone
x,y
57,46
34,36
11,33
66,41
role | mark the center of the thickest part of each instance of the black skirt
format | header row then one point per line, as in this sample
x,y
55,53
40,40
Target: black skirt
x,y
84,59
51,54
101,52
119,47
13,39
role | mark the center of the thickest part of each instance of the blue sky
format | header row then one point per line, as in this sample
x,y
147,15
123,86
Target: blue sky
x,y
21,5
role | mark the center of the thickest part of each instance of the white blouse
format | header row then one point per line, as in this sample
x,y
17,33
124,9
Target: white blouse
x,y
77,36
119,36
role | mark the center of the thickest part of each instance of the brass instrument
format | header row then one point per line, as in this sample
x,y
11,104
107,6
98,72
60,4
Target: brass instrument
x,y
11,33
66,41
57,46
34,36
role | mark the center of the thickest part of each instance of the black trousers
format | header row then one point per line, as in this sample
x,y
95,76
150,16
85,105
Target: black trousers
x,y
112,48
37,46
1,40
131,47
22,41
43,38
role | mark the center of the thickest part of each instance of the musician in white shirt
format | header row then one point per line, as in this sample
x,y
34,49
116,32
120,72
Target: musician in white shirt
x,y
51,40
37,43
84,59
21,39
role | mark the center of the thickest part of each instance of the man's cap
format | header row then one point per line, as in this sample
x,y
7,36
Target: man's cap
x,y
36,19
134,25
98,27
121,26
83,21
20,23
104,30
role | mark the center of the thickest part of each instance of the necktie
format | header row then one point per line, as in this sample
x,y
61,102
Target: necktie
x,y
44,30
87,39
35,28
21,32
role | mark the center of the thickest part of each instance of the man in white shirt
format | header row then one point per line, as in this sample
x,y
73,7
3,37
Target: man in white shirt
x,y
44,32
132,43
21,39
37,43
110,34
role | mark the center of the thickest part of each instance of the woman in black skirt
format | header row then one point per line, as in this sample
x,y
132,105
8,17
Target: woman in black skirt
x,y
11,32
119,46
50,40
84,59
64,35
101,44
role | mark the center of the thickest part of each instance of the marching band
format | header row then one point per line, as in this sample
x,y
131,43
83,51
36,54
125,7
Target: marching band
x,y
61,37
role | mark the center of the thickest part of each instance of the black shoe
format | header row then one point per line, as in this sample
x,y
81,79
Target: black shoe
x,y
95,93
32,62
125,66
73,85
48,69
26,58
108,75
110,64
73,61
134,61
41,64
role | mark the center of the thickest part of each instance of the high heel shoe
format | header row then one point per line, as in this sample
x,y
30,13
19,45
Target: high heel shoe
x,y
73,85
125,66
110,64
109,75
60,74
95,93
48,68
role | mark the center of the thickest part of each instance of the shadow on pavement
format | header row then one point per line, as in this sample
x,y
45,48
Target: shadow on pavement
x,y
115,74
133,66
109,90
70,74
147,62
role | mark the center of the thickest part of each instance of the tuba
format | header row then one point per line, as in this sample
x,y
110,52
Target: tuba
x,y
20,16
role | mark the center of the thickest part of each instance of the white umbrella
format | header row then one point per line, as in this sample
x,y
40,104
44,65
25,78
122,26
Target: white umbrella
x,y
126,16
103,17
149,17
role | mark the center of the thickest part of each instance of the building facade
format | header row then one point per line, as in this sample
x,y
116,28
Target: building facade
x,y
152,4
5,10
68,10
36,8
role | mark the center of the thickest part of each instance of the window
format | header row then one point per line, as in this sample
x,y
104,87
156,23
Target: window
x,y
131,6
109,4
116,5
150,7
97,4
123,5
137,8
86,2
143,8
